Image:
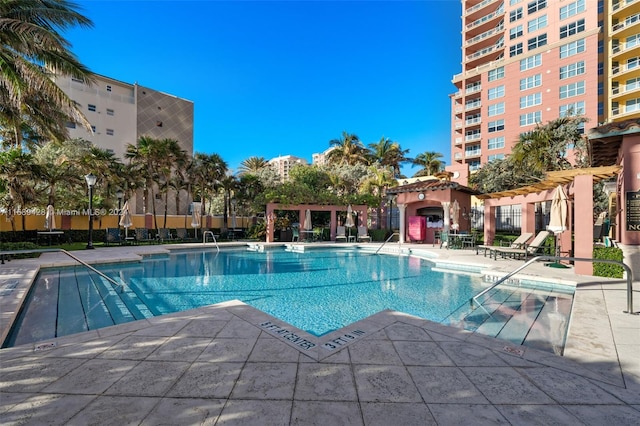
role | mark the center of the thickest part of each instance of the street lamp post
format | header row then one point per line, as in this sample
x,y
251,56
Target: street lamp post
x,y
91,181
119,196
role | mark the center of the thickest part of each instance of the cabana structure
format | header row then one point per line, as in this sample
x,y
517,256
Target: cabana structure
x,y
578,184
360,210
425,208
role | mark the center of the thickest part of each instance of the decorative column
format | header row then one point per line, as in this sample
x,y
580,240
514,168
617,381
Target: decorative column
x,y
401,209
583,230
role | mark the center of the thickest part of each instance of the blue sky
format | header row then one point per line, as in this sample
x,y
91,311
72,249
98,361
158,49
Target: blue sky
x,y
271,78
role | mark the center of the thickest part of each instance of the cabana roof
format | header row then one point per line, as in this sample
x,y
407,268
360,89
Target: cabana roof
x,y
430,185
555,178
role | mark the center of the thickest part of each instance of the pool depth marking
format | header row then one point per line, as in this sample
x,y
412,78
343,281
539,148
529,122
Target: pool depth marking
x,y
283,333
343,340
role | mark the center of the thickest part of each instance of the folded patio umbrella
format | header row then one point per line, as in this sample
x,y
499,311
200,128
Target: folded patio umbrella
x,y
50,218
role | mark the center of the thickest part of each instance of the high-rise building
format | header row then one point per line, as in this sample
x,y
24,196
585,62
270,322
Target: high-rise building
x,y
120,113
284,163
525,62
320,158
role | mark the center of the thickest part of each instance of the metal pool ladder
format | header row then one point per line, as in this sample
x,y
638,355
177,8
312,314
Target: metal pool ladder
x,y
387,240
82,262
557,259
204,238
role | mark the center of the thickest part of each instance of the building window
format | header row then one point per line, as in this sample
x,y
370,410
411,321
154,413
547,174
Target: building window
x,y
572,9
575,108
108,88
536,24
70,125
512,2
632,40
615,108
530,118
530,62
515,50
515,32
474,165
76,80
572,48
496,109
496,143
573,89
600,108
110,111
496,126
495,92
572,28
531,82
632,19
91,107
531,100
572,70
493,157
93,129
633,63
601,88
632,84
110,132
632,105
496,74
535,6
536,42
516,14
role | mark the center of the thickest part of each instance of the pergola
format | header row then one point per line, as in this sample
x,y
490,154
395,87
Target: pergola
x,y
360,210
579,187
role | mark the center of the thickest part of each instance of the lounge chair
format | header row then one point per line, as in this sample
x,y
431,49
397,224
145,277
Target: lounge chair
x,y
142,236
341,234
537,244
363,235
518,243
296,234
182,234
164,234
112,236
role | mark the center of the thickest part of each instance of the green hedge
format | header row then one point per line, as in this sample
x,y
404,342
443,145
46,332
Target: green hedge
x,y
608,269
20,246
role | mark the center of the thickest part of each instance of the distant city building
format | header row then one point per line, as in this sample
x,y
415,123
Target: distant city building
x,y
283,164
121,113
528,62
320,159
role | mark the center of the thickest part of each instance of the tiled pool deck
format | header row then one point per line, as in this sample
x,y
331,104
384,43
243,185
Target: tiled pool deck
x,y
231,364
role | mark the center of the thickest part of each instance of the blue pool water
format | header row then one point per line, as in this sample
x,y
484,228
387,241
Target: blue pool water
x,y
318,290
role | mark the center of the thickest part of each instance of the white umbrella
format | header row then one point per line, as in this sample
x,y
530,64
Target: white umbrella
x,y
125,218
559,207
307,221
455,215
196,214
444,236
50,218
558,216
349,222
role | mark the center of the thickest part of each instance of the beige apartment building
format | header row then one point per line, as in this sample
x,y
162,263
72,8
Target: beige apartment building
x,y
120,113
532,61
284,163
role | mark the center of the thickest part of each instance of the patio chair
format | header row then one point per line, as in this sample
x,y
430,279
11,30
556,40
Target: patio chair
x,y
164,234
112,236
516,244
142,236
182,234
296,234
537,245
341,234
363,235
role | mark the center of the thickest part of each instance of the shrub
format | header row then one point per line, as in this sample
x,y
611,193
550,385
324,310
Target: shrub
x,y
608,269
20,246
379,234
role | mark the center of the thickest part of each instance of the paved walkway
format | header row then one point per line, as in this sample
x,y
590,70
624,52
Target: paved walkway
x,y
231,364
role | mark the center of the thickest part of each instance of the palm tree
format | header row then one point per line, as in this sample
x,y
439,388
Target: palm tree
x,y
206,171
228,185
252,165
376,185
388,153
146,159
17,170
172,157
30,39
430,163
349,150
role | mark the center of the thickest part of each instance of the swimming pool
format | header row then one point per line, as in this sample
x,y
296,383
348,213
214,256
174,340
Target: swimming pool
x,y
318,291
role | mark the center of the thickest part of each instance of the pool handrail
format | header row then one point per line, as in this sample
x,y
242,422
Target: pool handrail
x,y
204,238
393,234
59,250
558,259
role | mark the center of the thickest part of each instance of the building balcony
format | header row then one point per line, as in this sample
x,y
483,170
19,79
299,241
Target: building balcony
x,y
472,105
473,89
457,156
625,8
473,153
623,112
619,52
623,93
475,121
473,137
458,141
487,35
487,21
621,69
481,8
